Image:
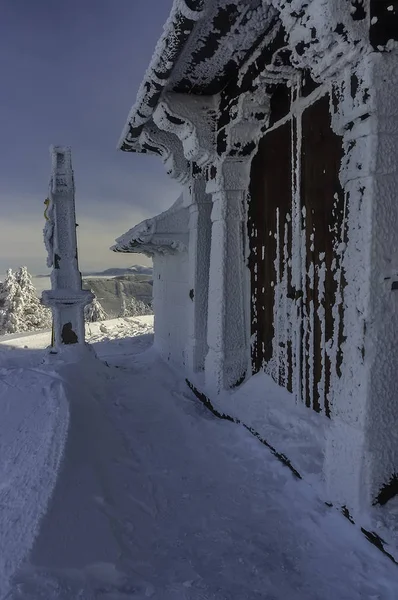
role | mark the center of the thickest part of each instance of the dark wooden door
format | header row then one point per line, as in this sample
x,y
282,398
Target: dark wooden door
x,y
295,261
271,235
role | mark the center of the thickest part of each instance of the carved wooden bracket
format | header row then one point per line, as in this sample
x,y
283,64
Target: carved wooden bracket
x,y
169,148
324,36
248,116
193,120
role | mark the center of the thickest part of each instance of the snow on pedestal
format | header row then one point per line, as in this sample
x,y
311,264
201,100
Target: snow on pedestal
x,y
67,299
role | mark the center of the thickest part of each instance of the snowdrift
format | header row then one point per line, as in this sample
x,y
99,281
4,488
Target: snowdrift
x,y
33,431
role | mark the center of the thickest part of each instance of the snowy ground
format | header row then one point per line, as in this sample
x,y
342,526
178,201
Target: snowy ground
x,y
118,484
103,331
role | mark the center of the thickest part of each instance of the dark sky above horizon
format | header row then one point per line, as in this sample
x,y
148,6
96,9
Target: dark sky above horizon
x,y
69,73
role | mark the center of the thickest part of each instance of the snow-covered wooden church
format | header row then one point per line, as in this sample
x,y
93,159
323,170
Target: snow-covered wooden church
x,y
280,120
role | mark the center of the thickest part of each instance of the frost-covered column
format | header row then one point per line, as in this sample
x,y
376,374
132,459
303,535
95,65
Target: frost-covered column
x,y
200,206
382,330
66,298
228,333
361,457
227,358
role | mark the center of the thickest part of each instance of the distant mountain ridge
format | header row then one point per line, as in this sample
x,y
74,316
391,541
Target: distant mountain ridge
x,y
116,291
115,272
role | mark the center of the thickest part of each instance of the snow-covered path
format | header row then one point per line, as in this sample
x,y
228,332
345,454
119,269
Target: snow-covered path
x,y
156,498
32,438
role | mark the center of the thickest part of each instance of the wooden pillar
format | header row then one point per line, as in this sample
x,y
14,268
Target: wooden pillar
x,y
227,336
361,456
67,299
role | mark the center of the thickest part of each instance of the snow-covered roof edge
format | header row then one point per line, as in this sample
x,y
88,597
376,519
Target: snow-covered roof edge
x,y
149,238
176,31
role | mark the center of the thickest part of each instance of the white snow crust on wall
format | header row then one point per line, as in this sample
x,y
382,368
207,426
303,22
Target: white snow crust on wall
x,y
381,354
165,238
170,303
345,468
362,450
200,206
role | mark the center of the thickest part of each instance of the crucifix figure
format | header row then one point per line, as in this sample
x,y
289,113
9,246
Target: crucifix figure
x,y
66,298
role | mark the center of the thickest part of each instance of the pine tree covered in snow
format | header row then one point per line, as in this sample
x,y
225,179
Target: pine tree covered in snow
x,y
11,316
35,314
20,308
94,311
135,308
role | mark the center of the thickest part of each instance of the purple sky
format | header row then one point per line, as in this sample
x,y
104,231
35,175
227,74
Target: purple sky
x,y
70,72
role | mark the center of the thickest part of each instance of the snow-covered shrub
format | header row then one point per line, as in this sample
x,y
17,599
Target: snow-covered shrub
x,y
94,311
135,308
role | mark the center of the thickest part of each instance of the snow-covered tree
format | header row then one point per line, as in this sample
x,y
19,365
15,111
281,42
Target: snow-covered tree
x,y
11,316
20,308
94,311
135,308
6,285
35,314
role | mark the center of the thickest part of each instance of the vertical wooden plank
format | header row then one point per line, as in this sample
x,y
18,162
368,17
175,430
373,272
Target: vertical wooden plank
x,y
270,204
256,236
296,285
287,267
323,200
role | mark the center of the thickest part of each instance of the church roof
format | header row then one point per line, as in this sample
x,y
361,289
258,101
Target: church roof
x,y
202,47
